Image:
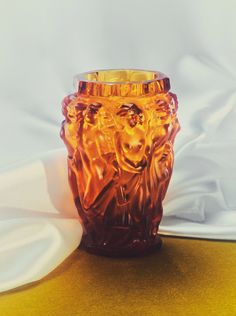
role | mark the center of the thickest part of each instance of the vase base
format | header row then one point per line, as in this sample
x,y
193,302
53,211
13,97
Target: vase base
x,y
137,250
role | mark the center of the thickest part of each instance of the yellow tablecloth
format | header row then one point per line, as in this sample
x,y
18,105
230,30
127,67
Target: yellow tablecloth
x,y
186,277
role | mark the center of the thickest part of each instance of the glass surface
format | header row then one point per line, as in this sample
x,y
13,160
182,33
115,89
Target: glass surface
x,y
119,130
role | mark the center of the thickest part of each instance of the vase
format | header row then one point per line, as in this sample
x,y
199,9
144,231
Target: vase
x,y
119,130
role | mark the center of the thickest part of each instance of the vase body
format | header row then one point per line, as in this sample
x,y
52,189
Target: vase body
x,y
119,131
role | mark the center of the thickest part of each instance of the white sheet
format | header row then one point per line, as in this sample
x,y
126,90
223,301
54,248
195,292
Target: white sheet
x,y
43,45
39,225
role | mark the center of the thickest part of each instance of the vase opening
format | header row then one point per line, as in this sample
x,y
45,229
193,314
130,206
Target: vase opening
x,y
121,82
117,76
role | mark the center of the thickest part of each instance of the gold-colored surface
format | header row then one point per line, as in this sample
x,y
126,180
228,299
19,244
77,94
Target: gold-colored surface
x,y
186,277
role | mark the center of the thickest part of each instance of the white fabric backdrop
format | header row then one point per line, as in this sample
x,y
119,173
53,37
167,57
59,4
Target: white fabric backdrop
x,y
43,45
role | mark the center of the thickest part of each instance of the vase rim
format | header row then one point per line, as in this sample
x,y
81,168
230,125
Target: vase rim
x,y
84,76
121,82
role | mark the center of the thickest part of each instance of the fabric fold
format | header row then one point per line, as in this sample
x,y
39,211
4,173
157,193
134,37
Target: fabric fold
x,y
39,225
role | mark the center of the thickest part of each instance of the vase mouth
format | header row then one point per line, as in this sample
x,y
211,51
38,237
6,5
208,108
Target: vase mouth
x,y
121,82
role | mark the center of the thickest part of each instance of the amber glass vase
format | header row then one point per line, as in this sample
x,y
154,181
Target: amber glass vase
x,y
119,131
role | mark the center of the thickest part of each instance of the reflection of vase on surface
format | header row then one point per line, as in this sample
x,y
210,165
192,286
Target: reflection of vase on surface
x,y
119,137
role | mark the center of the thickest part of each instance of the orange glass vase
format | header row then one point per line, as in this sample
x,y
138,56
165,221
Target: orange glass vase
x,y
119,131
